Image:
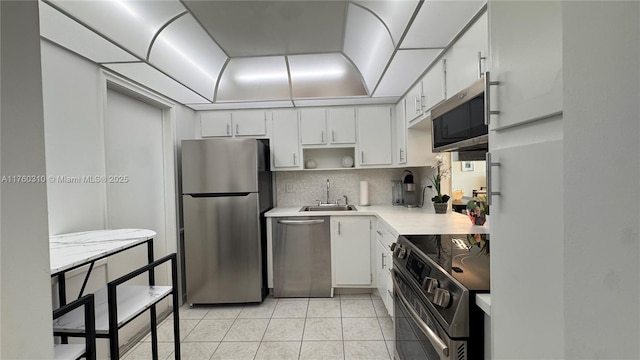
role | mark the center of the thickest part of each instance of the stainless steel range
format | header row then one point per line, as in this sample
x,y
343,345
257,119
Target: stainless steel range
x,y
435,281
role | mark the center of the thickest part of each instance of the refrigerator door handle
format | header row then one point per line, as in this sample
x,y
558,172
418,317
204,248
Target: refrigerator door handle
x,y
300,222
210,195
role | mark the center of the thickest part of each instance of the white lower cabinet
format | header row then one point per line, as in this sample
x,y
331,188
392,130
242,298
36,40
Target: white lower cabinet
x,y
384,264
351,251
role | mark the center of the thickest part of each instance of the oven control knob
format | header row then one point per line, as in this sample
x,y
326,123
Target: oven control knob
x,y
393,246
442,297
430,285
402,252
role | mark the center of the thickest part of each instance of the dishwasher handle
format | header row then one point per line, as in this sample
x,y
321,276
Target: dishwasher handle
x,y
301,222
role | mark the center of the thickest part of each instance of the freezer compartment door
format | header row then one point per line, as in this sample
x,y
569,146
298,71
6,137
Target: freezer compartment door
x,y
223,261
220,166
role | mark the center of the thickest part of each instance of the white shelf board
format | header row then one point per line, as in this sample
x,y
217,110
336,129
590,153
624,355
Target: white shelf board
x,y
68,351
131,300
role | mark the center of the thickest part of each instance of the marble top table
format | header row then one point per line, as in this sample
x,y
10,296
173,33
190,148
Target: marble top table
x,y
68,251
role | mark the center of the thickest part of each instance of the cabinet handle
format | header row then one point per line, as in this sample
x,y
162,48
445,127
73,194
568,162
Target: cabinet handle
x,y
379,232
480,58
444,78
401,157
487,98
361,157
333,136
228,129
383,264
322,137
490,191
417,105
237,129
294,159
339,228
422,102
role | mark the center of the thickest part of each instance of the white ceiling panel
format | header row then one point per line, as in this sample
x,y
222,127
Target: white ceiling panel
x,y
242,105
367,43
130,23
260,78
187,53
324,75
438,22
65,32
396,14
263,28
405,68
153,79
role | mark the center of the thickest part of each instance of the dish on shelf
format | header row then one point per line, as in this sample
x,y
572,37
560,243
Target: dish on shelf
x,y
347,161
310,164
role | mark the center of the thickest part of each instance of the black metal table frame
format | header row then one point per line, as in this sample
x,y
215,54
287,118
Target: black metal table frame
x,y
112,306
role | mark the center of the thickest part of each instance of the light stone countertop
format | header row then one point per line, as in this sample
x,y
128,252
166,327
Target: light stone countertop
x,y
405,221
69,250
484,302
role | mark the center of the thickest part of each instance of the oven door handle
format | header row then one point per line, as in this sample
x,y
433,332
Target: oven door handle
x,y
437,343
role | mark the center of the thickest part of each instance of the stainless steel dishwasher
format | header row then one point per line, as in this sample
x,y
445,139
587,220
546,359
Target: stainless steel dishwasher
x,y
302,257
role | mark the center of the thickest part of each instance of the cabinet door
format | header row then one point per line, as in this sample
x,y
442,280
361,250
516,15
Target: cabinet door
x,y
351,250
285,143
250,123
374,136
215,124
414,100
342,125
313,123
463,64
381,270
433,85
530,77
400,153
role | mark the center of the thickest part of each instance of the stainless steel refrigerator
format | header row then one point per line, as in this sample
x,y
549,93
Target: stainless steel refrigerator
x,y
226,189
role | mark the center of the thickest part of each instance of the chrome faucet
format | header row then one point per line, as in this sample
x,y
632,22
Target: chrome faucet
x,y
327,191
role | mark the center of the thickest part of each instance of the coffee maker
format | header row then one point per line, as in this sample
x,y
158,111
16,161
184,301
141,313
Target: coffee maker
x,y
408,190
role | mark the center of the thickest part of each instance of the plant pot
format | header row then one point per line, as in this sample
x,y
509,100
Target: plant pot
x,y
441,208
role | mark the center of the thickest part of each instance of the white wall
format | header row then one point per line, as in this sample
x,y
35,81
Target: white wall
x,y
24,275
601,58
74,140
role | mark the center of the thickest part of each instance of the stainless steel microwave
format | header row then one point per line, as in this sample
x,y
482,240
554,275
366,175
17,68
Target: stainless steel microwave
x,y
458,123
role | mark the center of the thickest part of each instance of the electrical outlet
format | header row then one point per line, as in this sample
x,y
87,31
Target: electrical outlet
x,y
289,187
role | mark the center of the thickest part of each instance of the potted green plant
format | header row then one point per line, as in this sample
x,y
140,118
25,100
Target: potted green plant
x,y
440,200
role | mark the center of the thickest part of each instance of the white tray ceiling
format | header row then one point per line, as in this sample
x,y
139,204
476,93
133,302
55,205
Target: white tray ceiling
x,y
299,52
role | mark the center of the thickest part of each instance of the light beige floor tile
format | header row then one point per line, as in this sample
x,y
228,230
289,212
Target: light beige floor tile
x,y
195,313
355,296
322,350
365,350
357,308
143,351
209,330
198,350
284,330
391,345
224,312
247,330
323,309
323,329
259,311
165,330
336,297
236,351
279,350
386,324
361,329
288,309
381,310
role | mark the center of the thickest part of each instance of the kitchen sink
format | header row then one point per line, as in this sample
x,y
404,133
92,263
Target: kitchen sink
x,y
329,207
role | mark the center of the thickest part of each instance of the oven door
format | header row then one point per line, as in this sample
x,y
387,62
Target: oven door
x,y
418,335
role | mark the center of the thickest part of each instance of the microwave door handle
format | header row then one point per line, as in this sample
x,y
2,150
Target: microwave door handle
x,y
438,344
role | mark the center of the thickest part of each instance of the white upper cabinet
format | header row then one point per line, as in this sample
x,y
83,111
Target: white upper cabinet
x,y
374,136
414,103
215,124
313,124
250,123
285,142
463,64
400,155
235,123
529,76
434,85
342,125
